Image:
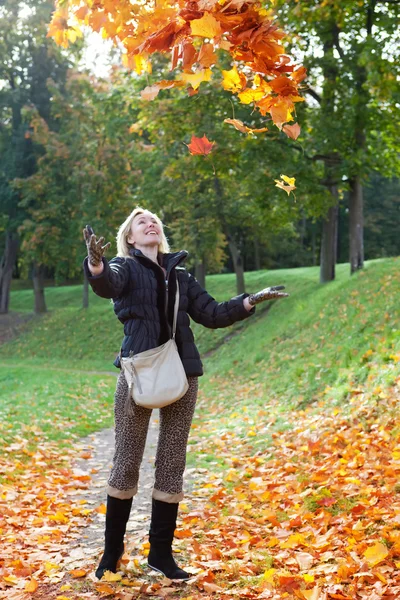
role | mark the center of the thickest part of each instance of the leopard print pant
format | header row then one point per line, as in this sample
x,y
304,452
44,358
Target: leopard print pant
x,y
130,440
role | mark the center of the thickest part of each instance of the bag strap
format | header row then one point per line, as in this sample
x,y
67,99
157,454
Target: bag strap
x,y
176,308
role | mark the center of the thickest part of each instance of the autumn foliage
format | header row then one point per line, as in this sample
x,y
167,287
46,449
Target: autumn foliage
x,y
195,34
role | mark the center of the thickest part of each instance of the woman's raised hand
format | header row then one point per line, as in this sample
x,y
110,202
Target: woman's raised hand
x,y
95,249
269,293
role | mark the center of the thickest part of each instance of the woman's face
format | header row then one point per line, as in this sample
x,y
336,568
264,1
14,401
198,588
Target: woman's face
x,y
145,230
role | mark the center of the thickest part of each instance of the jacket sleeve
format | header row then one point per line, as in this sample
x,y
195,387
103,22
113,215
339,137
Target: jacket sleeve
x,y
208,312
112,281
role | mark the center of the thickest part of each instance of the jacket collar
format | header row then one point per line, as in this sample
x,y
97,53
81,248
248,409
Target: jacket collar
x,y
168,260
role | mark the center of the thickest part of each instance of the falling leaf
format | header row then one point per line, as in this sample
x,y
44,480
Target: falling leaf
x,y
200,145
288,184
207,56
150,92
207,26
194,79
292,131
233,81
240,126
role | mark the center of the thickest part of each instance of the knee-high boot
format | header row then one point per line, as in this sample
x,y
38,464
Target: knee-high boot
x,y
162,527
117,516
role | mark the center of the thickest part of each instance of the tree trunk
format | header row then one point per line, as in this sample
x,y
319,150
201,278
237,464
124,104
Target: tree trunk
x,y
7,263
329,241
237,265
38,288
257,258
328,254
237,258
85,297
356,224
314,245
200,273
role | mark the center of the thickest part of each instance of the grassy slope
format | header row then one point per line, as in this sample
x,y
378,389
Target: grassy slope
x,y
320,343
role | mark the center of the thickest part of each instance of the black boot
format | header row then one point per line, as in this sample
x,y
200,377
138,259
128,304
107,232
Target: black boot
x,y
162,527
117,516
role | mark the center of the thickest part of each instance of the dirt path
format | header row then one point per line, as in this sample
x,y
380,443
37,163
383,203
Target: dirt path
x,y
99,448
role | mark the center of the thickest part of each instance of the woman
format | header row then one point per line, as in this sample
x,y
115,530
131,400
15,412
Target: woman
x,y
142,282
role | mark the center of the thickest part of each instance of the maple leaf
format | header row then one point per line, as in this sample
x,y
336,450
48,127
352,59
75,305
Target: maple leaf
x,y
207,26
151,91
327,501
31,586
311,594
376,554
110,576
288,184
76,573
240,126
207,56
194,79
200,145
233,81
251,95
292,131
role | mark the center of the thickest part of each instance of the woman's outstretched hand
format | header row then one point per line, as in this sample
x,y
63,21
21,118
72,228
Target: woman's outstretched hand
x,y
95,249
270,293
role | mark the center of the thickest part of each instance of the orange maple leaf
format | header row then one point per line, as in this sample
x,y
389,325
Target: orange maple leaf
x,y
240,126
292,131
200,145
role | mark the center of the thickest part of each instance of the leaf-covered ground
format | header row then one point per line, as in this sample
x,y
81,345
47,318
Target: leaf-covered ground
x,y
315,515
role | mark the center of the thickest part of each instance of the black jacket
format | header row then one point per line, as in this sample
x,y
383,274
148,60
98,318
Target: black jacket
x,y
144,303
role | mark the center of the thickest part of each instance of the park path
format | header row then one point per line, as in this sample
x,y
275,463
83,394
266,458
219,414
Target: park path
x,y
98,448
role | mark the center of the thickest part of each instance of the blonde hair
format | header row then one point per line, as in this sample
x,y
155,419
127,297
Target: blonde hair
x,y
124,231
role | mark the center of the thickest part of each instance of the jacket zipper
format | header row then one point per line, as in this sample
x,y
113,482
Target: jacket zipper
x,y
165,278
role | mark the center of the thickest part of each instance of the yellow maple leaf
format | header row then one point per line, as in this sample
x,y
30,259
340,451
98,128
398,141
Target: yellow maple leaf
x,y
251,95
311,594
376,554
233,81
293,540
195,79
269,575
110,576
290,181
31,586
142,64
207,26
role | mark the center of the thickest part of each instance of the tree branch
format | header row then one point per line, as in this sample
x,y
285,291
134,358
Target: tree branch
x,y
337,43
314,94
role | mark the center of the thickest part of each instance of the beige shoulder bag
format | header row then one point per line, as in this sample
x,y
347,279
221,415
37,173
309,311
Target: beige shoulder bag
x,y
156,377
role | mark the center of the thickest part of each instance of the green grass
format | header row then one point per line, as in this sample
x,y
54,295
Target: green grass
x,y
55,406
321,342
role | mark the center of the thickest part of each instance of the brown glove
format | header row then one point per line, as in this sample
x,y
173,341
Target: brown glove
x,y
269,293
95,249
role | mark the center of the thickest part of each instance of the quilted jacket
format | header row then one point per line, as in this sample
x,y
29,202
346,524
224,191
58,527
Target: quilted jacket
x,y
143,299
